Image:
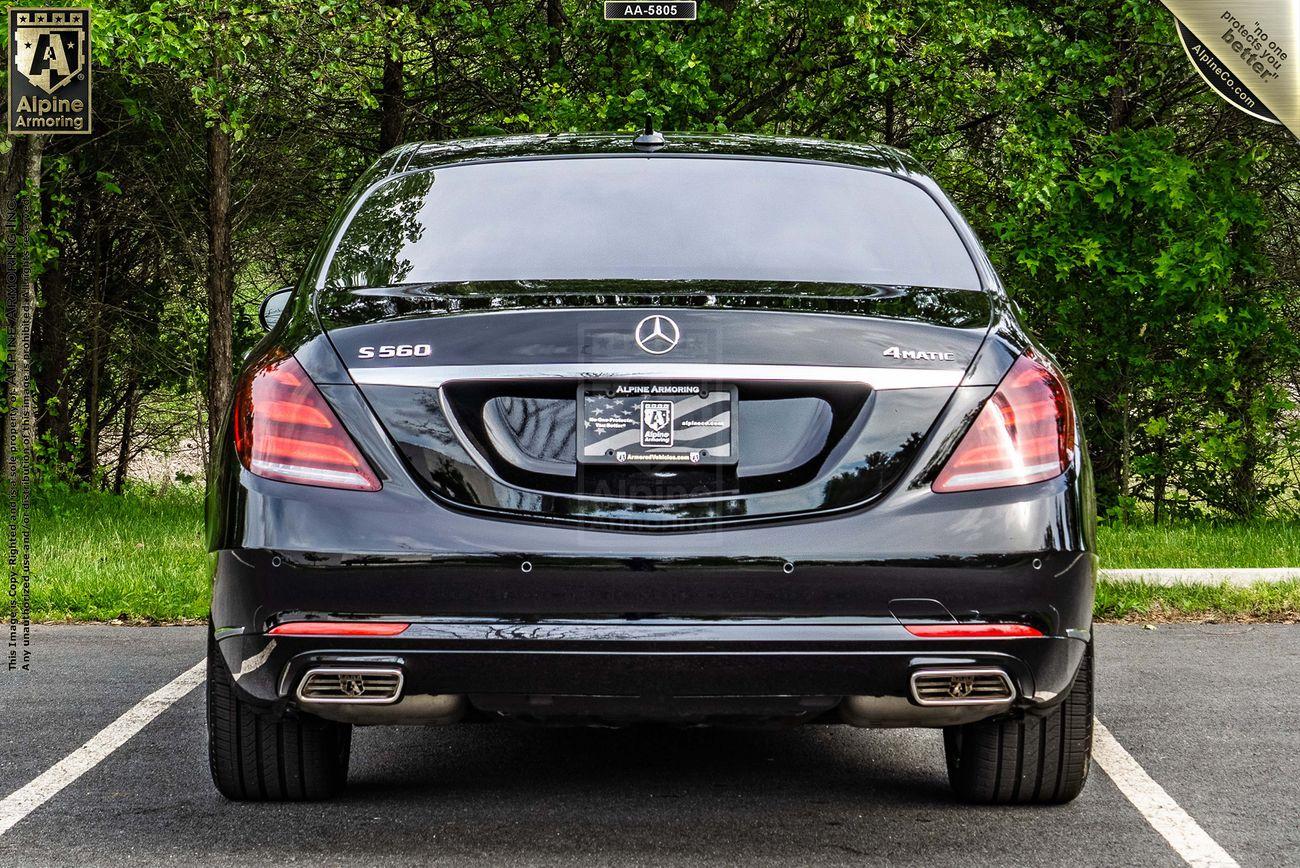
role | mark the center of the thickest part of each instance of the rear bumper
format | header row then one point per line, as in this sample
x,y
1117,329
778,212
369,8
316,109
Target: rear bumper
x,y
519,663
628,658
512,614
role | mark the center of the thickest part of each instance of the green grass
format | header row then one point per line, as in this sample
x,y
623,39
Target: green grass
x,y
99,557
1178,546
1134,601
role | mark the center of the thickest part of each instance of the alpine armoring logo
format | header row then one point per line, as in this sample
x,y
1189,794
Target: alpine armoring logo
x,y
49,71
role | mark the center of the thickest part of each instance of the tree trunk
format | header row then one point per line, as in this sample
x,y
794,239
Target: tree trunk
x,y
220,282
1125,446
392,105
21,221
1158,497
89,460
13,166
890,119
50,354
124,445
1243,480
555,23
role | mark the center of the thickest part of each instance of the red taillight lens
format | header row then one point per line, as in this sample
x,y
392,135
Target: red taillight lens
x,y
1023,434
284,430
973,631
338,628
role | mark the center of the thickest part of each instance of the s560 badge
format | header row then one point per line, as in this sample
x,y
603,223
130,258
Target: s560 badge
x,y
394,351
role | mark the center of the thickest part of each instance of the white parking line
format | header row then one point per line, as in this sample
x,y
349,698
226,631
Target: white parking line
x,y
1177,827
22,802
1164,815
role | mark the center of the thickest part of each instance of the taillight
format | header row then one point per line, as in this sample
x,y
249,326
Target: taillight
x,y
284,429
973,631
339,628
1024,433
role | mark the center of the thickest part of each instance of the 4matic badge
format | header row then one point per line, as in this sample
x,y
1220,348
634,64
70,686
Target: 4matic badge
x,y
928,355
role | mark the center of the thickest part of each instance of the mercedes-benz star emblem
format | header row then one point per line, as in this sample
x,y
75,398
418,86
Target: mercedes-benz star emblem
x,y
657,334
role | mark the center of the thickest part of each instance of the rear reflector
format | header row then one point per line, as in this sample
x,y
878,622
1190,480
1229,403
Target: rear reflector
x,y
973,631
338,628
1024,433
284,430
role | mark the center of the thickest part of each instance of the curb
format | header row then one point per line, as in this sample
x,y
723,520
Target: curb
x,y
1240,578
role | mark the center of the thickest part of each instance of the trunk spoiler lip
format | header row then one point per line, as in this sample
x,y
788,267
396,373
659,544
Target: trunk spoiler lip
x,y
941,306
875,378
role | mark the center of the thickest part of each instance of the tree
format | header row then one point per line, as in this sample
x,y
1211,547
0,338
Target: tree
x,y
21,244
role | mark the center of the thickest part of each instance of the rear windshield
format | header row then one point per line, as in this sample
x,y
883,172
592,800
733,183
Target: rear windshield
x,y
651,219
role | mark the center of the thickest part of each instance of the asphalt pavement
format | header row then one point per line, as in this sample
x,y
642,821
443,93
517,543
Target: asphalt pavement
x,y
1211,712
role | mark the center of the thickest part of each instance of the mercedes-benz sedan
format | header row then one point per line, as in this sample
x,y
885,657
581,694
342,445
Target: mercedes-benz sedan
x,y
689,430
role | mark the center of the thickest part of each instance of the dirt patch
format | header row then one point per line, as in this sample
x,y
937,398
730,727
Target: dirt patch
x,y
126,622
1152,618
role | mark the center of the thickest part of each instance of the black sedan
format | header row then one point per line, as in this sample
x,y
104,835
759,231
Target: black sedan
x,y
676,429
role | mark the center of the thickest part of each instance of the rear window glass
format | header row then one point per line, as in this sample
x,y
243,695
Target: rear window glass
x,y
651,219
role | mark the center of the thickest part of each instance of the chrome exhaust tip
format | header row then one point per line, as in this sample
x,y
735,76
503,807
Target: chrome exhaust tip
x,y
962,687
352,685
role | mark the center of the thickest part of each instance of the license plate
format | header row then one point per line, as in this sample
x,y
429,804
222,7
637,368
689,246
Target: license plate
x,y
656,423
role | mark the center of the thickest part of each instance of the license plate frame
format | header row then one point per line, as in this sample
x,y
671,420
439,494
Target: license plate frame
x,y
697,415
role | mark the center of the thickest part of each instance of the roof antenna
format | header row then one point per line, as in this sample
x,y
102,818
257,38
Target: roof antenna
x,y
648,140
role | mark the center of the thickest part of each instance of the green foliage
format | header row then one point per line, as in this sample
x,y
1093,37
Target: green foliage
x,y
100,556
1159,253
1191,545
1135,601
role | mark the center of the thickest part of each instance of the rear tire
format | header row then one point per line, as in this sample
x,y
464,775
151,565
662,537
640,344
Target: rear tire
x,y
1041,758
254,757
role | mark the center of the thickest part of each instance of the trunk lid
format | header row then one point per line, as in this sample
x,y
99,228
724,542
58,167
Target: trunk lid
x,y
835,388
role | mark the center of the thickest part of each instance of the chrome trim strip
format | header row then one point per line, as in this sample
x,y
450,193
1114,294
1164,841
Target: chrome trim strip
x,y
879,379
948,673
351,670
252,664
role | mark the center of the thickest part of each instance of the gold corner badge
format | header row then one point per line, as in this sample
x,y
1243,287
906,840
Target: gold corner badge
x,y
1247,51
49,71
